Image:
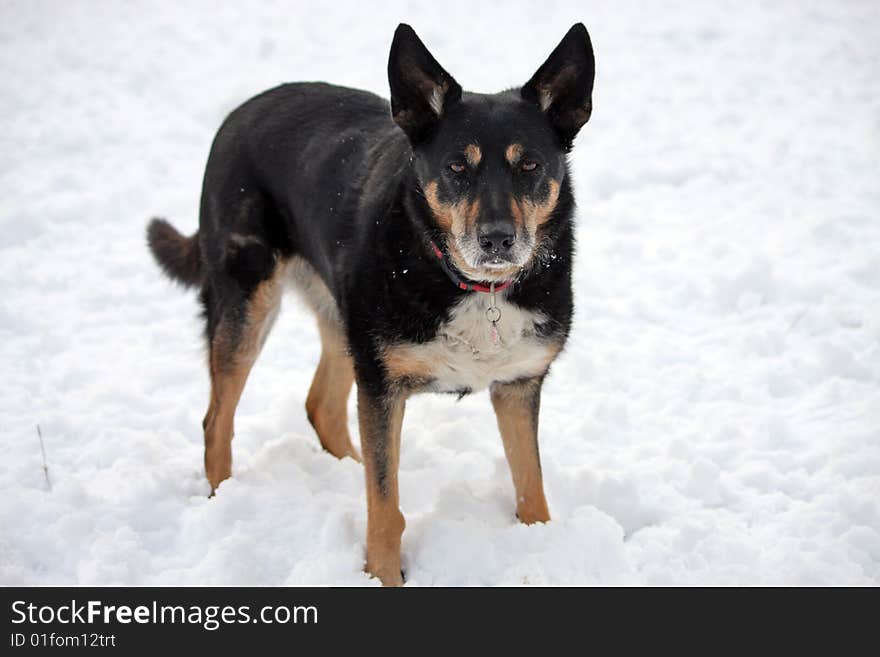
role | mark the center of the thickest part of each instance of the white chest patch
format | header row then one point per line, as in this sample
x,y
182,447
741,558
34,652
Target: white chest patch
x,y
465,354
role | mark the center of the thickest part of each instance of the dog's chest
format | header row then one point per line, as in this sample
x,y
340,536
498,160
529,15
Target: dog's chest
x,y
468,354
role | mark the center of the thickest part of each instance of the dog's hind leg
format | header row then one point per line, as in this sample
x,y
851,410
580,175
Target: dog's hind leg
x,y
516,408
327,402
238,332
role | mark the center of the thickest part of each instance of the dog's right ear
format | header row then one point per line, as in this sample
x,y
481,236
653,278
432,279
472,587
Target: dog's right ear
x,y
421,91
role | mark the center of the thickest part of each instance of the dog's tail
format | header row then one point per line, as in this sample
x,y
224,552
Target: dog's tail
x,y
177,255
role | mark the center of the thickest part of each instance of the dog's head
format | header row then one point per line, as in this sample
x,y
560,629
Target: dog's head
x,y
491,167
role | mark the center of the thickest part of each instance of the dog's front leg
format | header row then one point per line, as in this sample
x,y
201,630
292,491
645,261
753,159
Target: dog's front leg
x,y
380,417
516,407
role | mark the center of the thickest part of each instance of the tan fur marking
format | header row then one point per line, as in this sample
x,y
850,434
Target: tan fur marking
x,y
542,211
444,213
552,352
516,409
327,402
402,363
534,215
513,153
380,443
455,218
231,358
473,154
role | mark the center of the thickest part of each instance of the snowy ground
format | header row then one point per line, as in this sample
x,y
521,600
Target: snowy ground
x,y
715,420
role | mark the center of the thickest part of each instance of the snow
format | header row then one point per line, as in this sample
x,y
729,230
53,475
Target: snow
x,y
714,420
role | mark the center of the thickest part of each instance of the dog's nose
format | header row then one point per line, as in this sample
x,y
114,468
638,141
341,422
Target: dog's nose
x,y
496,238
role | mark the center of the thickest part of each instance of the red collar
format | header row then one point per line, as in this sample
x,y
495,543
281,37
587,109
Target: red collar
x,y
467,286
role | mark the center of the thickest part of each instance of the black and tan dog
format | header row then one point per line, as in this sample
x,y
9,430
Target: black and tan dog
x,y
432,239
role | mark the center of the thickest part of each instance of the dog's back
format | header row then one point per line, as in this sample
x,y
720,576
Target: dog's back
x,y
285,177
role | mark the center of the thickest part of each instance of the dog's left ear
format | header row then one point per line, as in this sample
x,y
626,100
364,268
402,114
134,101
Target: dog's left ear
x,y
563,86
421,91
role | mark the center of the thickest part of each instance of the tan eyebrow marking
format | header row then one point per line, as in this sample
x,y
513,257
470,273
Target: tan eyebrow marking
x,y
473,154
513,153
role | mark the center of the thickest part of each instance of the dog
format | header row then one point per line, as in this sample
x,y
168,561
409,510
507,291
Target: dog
x,y
432,239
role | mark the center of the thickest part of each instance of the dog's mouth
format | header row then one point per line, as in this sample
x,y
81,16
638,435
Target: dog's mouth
x,y
494,262
478,265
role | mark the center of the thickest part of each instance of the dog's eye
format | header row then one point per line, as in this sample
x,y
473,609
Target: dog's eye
x,y
457,167
529,165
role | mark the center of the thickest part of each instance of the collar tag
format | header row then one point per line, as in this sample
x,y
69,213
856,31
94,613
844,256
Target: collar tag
x,y
493,314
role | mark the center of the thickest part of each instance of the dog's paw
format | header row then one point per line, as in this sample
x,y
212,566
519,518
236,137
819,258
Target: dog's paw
x,y
530,518
388,577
